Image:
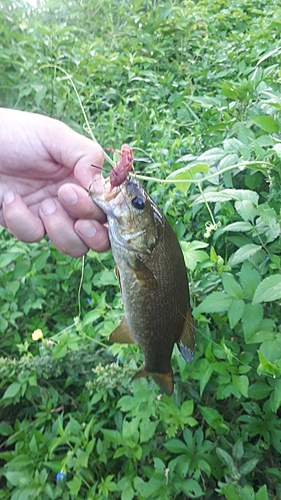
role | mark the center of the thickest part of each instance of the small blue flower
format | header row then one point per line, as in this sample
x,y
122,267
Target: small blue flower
x,y
182,150
118,359
143,141
88,300
177,193
177,222
118,134
61,476
79,377
195,224
169,161
216,217
267,258
155,198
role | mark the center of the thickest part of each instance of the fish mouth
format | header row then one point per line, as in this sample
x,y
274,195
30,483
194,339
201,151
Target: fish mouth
x,y
109,199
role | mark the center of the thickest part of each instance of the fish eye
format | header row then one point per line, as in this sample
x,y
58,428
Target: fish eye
x,y
138,203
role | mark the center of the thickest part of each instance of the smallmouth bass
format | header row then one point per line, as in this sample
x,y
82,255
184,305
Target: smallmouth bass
x,y
152,276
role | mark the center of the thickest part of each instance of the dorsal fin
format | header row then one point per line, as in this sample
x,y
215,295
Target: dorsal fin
x,y
186,342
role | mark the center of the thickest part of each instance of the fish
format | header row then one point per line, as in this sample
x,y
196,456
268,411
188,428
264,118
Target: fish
x,y
150,268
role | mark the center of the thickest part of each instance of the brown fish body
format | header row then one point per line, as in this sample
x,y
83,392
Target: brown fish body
x,y
153,281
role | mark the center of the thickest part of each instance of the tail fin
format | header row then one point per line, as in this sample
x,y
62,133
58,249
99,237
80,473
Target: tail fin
x,y
164,380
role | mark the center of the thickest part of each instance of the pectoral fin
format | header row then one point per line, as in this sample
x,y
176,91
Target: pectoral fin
x,y
164,380
186,343
122,334
142,271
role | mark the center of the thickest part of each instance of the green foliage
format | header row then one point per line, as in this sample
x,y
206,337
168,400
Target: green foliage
x,y
197,87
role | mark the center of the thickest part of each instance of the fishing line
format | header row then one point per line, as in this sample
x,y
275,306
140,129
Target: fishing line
x,y
246,164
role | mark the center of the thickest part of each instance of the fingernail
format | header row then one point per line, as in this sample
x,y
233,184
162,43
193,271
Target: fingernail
x,y
48,207
86,229
9,197
69,196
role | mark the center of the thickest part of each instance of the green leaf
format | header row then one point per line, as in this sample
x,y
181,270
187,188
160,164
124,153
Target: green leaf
x,y
238,227
191,488
228,461
267,366
249,279
216,302
251,319
243,253
112,436
213,417
231,286
176,446
275,397
235,312
74,485
206,370
238,449
268,290
246,210
12,390
241,382
266,123
185,174
248,466
262,493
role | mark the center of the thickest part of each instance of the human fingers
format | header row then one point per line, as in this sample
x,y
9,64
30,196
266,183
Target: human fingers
x,y
94,234
20,221
79,204
60,228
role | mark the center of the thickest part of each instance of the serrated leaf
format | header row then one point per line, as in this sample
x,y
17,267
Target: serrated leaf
x,y
268,290
249,279
251,319
266,123
216,302
228,194
185,174
235,312
231,286
243,254
246,210
239,227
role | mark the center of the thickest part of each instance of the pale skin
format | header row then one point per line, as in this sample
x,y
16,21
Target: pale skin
x,y
45,167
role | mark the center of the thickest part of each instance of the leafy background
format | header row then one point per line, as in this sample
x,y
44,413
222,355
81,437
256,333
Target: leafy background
x,y
196,85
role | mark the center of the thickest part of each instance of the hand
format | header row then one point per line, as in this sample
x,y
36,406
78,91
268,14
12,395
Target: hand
x,y
44,169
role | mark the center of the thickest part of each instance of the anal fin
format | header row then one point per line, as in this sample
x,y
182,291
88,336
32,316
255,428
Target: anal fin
x,y
122,334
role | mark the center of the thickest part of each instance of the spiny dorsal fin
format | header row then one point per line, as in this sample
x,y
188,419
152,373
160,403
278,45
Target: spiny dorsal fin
x,y
186,343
